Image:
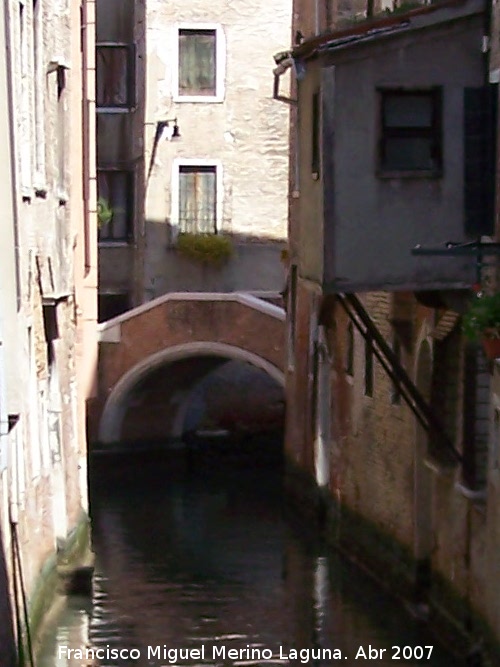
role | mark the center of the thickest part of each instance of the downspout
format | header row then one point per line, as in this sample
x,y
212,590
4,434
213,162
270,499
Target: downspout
x,y
475,654
284,62
87,249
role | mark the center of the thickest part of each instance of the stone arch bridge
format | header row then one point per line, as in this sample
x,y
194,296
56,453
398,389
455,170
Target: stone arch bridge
x,y
183,336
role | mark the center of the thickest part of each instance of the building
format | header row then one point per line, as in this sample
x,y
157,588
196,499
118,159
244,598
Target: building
x,y
48,305
389,445
198,70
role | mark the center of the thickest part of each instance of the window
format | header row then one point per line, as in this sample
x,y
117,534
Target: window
x,y
411,132
200,70
115,204
114,76
198,188
197,71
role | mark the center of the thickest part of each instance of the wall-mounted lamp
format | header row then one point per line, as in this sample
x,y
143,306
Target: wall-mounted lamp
x,y
161,126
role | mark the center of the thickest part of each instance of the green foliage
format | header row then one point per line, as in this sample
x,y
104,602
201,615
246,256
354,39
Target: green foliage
x,y
482,320
104,212
206,248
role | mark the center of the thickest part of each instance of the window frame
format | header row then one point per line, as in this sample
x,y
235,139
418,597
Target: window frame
x,y
175,199
433,132
130,76
131,198
220,63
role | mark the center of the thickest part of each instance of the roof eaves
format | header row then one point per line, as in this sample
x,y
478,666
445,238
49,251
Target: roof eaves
x,y
371,28
369,34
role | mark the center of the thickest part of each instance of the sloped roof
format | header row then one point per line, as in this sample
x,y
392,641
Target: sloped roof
x,y
387,25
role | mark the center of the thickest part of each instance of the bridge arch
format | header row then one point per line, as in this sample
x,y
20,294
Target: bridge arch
x,y
116,404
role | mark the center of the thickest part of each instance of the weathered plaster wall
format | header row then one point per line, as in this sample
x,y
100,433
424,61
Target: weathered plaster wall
x,y
247,132
43,486
368,209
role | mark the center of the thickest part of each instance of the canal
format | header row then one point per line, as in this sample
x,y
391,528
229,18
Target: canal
x,y
197,556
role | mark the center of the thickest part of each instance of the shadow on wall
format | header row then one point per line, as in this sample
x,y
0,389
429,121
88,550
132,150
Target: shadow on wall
x,y
221,263
7,645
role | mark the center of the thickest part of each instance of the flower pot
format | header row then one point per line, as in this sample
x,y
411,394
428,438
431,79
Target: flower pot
x,y
491,347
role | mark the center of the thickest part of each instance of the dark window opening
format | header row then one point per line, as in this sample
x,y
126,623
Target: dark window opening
x,y
197,62
115,203
198,199
114,76
411,131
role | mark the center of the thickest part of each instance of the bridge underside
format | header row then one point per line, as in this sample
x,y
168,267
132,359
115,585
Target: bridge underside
x,y
163,364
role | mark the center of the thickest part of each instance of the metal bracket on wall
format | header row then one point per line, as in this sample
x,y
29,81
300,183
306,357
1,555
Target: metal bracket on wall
x,y
392,366
478,249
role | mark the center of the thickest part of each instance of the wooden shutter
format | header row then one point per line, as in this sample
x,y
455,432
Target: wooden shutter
x,y
480,112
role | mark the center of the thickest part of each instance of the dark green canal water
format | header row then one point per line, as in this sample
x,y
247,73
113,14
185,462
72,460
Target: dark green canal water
x,y
200,558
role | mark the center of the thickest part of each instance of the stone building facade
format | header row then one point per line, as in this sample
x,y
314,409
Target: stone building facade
x,y
199,71
359,459
48,305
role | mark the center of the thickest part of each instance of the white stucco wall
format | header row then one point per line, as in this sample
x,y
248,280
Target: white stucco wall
x,y
247,131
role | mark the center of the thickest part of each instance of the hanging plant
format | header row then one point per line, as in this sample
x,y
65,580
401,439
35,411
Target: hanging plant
x,y
211,249
104,212
482,322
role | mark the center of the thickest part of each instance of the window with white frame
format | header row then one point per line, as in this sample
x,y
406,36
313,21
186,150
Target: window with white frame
x,y
200,68
197,197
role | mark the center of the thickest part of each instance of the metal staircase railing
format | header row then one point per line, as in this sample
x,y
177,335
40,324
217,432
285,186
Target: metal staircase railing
x,y
392,366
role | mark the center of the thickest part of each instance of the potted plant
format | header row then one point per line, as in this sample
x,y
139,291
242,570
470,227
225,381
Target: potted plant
x,y
482,322
214,249
104,212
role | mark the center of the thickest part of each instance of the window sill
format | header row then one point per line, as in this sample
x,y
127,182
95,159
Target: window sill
x,y
114,244
197,99
388,175
118,110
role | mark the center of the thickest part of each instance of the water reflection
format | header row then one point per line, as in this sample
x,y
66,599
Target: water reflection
x,y
203,558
